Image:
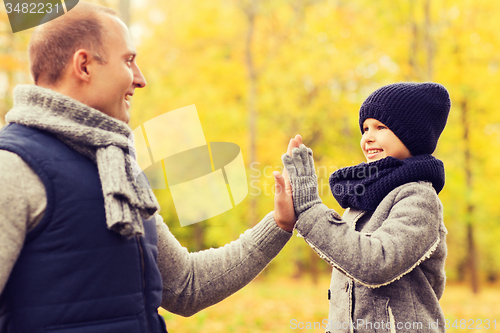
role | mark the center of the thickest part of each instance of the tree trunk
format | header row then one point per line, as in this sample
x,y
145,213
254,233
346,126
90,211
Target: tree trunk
x,y
412,57
429,47
8,100
199,236
314,262
471,247
250,11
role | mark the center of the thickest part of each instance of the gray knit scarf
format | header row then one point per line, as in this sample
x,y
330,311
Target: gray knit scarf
x,y
99,137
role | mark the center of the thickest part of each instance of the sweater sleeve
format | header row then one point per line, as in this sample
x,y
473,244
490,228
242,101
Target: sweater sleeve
x,y
194,281
22,205
408,236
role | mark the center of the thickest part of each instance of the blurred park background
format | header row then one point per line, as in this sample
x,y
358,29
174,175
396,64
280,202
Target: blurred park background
x,y
260,72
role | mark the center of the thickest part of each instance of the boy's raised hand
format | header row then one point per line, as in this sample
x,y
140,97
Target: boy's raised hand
x,y
284,213
303,179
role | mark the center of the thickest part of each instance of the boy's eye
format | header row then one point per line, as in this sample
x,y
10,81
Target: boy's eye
x,y
382,127
365,129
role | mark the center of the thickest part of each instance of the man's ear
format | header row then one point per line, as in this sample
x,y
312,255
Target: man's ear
x,y
81,64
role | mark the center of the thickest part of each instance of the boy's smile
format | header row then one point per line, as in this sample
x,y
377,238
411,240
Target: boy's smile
x,y
378,142
372,153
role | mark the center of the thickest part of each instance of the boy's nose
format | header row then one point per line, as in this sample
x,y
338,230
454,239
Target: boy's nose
x,y
369,138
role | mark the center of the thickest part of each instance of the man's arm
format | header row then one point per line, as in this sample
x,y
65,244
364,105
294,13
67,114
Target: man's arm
x,y
22,204
194,281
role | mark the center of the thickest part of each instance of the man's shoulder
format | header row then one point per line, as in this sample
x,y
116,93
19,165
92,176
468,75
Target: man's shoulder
x,y
12,164
14,169
10,161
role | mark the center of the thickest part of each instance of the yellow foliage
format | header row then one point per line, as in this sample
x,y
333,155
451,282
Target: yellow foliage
x,y
314,62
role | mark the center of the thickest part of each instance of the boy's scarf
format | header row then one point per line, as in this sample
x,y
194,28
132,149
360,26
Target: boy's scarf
x,y
363,186
99,137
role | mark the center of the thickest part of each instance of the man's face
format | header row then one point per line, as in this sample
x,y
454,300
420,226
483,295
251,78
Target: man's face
x,y
378,142
114,82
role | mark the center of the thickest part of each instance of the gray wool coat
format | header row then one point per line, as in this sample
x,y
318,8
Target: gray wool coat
x,y
388,273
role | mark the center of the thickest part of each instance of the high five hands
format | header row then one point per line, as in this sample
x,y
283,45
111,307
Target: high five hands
x,y
284,213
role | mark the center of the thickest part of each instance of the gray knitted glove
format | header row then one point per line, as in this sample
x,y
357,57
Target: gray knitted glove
x,y
300,168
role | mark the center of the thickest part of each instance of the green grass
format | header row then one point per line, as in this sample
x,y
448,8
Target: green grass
x,y
268,305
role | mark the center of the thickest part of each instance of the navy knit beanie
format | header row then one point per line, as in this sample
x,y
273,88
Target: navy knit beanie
x,y
415,112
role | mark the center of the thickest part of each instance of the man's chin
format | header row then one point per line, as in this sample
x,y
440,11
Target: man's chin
x,y
124,117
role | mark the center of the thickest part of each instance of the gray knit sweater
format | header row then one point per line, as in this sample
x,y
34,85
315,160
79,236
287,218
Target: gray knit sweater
x,y
191,281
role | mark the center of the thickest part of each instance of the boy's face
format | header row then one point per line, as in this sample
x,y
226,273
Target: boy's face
x,y
378,142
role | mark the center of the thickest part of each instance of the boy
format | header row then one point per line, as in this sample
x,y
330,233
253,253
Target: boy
x,y
389,248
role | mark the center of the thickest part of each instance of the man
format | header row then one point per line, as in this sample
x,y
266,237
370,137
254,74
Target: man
x,y
82,248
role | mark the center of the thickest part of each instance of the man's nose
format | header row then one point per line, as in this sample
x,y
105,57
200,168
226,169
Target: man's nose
x,y
139,80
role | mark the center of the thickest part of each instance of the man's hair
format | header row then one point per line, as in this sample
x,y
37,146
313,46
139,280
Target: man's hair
x,y
54,43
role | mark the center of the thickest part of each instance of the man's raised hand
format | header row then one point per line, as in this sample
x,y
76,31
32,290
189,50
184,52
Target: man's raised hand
x,y
284,213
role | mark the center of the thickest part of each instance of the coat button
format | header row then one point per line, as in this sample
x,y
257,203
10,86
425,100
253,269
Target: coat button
x,y
346,286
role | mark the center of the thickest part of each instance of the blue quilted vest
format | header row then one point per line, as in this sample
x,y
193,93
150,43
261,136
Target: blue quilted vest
x,y
73,274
